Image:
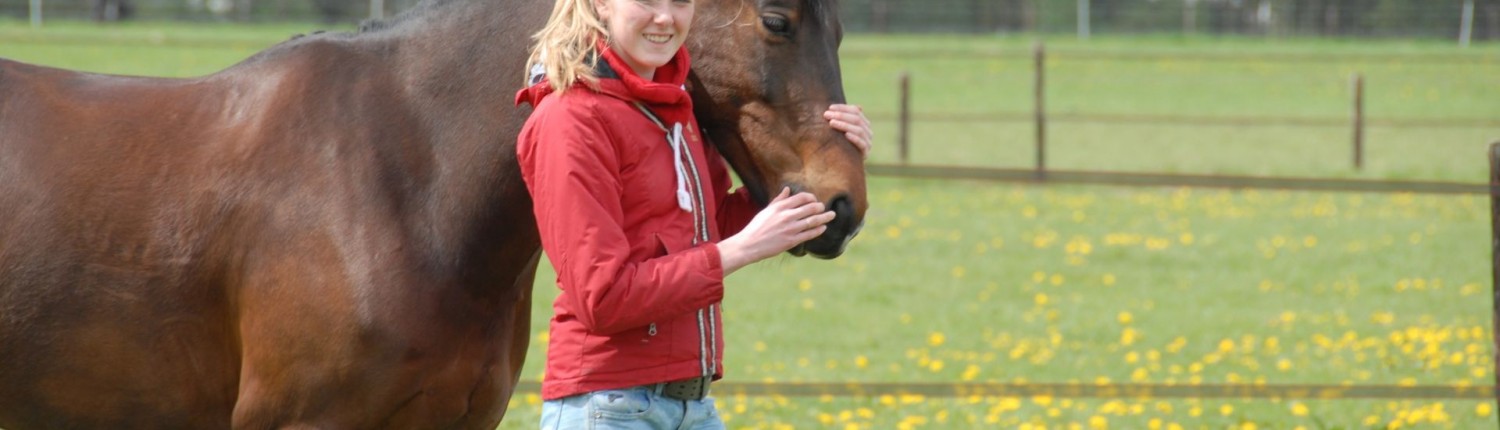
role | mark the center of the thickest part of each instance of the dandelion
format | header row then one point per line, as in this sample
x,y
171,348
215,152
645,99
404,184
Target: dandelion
x,y
1041,299
1299,409
1128,336
1125,317
893,232
970,373
804,285
936,339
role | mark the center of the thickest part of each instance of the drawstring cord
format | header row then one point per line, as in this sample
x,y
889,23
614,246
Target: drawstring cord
x,y
684,201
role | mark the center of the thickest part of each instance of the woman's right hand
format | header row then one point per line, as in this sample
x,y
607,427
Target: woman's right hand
x,y
788,221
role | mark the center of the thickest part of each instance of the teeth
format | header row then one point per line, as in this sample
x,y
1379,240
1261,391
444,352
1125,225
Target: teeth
x,y
658,38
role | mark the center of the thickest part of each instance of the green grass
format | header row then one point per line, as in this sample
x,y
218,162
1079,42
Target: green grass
x,y
1086,284
969,282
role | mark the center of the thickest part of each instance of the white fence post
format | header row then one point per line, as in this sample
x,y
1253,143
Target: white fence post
x,y
1466,28
1083,19
36,13
377,9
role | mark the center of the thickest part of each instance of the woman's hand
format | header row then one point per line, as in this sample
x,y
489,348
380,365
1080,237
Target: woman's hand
x,y
788,221
850,120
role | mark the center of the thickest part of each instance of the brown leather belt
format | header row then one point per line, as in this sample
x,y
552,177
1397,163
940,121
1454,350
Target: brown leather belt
x,y
687,389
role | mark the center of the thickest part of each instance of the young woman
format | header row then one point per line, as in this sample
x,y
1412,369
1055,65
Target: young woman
x,y
637,335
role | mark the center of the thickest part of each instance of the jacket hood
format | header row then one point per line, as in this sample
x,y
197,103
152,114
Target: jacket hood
x,y
616,79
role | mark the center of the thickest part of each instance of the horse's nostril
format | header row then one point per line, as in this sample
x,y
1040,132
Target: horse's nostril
x,y
843,213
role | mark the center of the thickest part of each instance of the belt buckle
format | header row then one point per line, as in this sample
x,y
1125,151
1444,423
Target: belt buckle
x,y
694,389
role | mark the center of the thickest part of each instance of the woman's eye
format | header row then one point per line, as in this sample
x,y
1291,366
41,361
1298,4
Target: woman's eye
x,y
776,24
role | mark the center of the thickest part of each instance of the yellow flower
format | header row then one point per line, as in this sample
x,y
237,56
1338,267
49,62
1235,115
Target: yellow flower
x,y
1128,336
1482,409
893,232
936,339
804,285
1125,317
1299,409
1041,299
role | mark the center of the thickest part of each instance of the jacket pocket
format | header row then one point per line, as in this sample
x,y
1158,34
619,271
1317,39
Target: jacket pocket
x,y
666,246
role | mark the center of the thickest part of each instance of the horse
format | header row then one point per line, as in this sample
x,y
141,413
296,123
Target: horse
x,y
333,233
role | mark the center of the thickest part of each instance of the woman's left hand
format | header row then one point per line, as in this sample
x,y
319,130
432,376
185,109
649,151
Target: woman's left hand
x,y
850,120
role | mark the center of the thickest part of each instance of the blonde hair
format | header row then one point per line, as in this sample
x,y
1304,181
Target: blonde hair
x,y
565,47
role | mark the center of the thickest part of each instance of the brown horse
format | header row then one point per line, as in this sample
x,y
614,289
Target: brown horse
x,y
333,233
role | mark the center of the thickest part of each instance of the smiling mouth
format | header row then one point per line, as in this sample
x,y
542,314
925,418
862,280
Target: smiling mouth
x,y
658,38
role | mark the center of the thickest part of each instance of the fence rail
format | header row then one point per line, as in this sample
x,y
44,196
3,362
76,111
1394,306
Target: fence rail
x,y
1179,180
1189,120
724,389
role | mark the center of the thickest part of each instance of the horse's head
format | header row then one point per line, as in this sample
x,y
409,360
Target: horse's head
x,y
764,73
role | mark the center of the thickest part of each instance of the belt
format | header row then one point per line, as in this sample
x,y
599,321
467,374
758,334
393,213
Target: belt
x,y
687,389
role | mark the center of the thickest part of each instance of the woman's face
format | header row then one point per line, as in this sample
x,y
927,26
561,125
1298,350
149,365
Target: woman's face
x,y
646,33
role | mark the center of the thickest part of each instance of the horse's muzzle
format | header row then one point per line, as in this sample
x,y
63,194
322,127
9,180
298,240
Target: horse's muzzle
x,y
835,239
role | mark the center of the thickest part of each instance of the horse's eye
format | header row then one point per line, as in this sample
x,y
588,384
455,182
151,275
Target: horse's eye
x,y
776,24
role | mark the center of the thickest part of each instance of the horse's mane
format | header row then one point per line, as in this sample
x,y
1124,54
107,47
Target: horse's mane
x,y
377,25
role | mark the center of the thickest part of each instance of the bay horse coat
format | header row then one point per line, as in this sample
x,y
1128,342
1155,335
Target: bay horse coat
x,y
334,233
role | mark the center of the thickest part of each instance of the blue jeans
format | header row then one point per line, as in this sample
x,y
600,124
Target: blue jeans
x,y
637,408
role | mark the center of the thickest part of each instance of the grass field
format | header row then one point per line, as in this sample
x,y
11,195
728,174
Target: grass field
x,y
968,282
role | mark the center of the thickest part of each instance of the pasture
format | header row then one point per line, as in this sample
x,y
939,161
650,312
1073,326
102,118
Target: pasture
x,y
957,282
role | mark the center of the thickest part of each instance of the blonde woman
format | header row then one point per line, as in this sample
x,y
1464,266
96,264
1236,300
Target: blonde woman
x,y
637,335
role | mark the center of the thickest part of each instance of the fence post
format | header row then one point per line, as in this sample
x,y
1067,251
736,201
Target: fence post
x,y
1466,25
904,135
1494,156
36,13
1083,20
1040,54
377,9
1358,82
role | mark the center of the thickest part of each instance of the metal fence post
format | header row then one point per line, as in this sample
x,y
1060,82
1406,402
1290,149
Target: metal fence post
x,y
1358,84
904,135
1040,54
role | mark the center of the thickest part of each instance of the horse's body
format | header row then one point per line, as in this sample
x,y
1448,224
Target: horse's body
x,y
332,233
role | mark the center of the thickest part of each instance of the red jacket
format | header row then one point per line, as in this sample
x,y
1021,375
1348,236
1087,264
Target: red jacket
x,y
639,269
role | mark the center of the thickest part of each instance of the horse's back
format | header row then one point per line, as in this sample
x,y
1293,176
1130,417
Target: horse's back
x,y
105,319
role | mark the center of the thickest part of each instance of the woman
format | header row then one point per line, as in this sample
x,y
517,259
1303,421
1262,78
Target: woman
x,y
636,335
